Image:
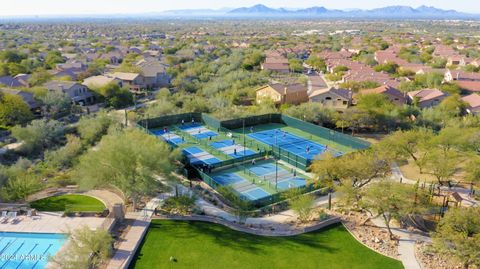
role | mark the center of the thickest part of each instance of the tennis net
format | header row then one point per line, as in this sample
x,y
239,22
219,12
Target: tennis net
x,y
279,176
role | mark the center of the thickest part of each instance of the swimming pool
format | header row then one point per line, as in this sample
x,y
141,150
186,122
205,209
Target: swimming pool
x,y
28,250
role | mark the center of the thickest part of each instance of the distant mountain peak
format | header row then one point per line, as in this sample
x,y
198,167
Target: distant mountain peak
x,y
259,8
395,11
387,12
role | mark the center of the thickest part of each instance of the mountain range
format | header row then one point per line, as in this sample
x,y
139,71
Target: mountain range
x,y
394,12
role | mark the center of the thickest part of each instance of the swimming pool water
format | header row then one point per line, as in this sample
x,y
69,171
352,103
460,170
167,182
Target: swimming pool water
x,y
28,250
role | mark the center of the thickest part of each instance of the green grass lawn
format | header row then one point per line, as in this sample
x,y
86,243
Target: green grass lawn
x,y
205,245
74,202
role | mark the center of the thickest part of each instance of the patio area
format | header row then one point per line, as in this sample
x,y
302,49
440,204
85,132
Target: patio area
x,y
50,222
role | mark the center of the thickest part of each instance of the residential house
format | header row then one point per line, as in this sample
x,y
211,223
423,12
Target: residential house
x,y
392,94
456,60
275,62
27,97
74,66
426,69
426,97
154,73
459,75
473,103
9,81
78,93
101,81
64,73
133,81
114,57
332,97
469,86
444,51
283,94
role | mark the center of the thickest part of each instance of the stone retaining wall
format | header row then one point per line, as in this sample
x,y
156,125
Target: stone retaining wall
x,y
255,231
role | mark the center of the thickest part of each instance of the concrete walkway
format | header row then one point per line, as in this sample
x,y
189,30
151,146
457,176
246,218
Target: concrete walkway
x,y
464,193
127,248
406,244
107,197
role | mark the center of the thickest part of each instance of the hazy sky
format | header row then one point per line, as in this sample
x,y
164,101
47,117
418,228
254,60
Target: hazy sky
x,y
53,7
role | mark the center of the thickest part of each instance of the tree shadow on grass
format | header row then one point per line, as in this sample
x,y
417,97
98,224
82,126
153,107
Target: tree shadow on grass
x,y
57,204
236,240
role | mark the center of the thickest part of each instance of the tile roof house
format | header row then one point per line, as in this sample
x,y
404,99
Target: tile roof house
x,y
9,81
332,97
74,65
444,51
394,95
154,73
469,86
275,62
459,75
456,60
64,73
283,94
426,97
133,81
79,93
100,81
113,57
473,103
26,96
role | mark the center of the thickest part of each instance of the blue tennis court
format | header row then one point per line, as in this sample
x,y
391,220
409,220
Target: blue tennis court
x,y
197,130
255,194
205,134
228,179
229,147
192,150
241,153
291,183
197,156
168,136
222,144
187,126
263,169
290,142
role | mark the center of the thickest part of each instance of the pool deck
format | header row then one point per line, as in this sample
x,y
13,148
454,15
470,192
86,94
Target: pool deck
x,y
50,222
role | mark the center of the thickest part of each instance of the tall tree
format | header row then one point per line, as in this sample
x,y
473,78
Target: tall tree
x,y
13,110
356,169
458,235
128,159
39,134
92,128
393,200
407,144
86,249
56,102
19,187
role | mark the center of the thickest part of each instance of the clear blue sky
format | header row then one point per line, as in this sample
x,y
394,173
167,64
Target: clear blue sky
x,y
56,7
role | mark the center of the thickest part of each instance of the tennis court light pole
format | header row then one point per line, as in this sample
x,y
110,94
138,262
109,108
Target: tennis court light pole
x,y
244,145
276,172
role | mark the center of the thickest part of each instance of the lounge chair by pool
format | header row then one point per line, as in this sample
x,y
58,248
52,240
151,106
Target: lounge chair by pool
x,y
4,218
